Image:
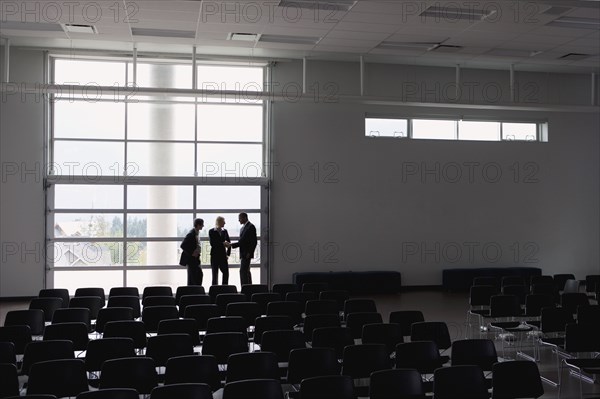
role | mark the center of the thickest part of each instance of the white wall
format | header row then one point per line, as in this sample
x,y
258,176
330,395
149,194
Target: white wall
x,y
372,218
21,185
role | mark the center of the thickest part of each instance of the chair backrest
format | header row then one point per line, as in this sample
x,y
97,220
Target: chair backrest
x,y
113,393
479,295
283,289
251,289
222,300
356,321
336,338
281,342
505,306
157,291
9,383
65,377
561,279
202,313
534,303
47,305
101,350
480,352
359,305
541,280
321,306
554,319
436,331
512,280
159,301
249,366
465,382
137,373
362,360
162,347
249,311
588,314
215,290
340,296
263,299
486,280
91,291
74,332
388,334
106,315
317,321
193,369
267,323
582,338
221,345
286,308
516,379
61,293
124,291
126,301
188,290
571,300
519,290
73,315
421,355
34,318
188,300
7,352
332,386
40,351
317,288
127,329
182,391
592,282
226,324
180,326
152,315
301,297
397,383
252,389
571,286
19,335
405,319
311,362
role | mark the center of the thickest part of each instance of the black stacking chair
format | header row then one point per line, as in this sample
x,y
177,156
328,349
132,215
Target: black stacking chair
x,y
423,356
127,329
93,303
251,289
19,336
281,342
7,353
465,382
107,315
253,389
222,300
286,308
561,279
249,311
47,305
162,347
356,321
9,383
317,288
318,321
180,326
226,324
382,333
311,362
359,361
486,280
101,350
74,332
588,314
193,369
332,386
340,296
516,379
269,323
182,391
159,301
61,293
215,290
66,377
124,291
250,366
202,313
189,300
157,291
321,307
188,290
221,345
478,352
153,315
336,338
283,289
137,373
511,280
34,318
126,301
40,351
397,384
405,319
359,305
73,315
571,300
89,291
263,299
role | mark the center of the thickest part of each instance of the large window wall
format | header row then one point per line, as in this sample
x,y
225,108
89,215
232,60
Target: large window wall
x,y
128,173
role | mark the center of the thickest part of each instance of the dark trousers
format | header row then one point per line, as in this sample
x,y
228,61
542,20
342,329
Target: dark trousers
x,y
216,265
245,276
194,274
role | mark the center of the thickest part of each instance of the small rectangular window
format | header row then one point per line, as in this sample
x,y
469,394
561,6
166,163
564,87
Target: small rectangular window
x,y
476,130
519,131
381,127
434,129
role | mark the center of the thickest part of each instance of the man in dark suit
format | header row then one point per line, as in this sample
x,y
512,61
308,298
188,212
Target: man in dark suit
x,y
190,255
247,244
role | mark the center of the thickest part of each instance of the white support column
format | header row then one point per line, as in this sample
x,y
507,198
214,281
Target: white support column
x,y
362,75
6,77
512,83
304,62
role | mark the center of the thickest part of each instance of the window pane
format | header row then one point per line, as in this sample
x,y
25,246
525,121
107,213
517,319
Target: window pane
x,y
484,131
218,77
83,196
519,131
177,76
141,253
72,280
161,159
144,278
232,225
239,160
91,120
228,197
88,225
158,224
160,121
434,129
84,72
88,158
79,254
230,122
381,127
160,197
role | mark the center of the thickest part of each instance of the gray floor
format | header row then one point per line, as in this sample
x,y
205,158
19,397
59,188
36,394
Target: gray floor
x,y
451,308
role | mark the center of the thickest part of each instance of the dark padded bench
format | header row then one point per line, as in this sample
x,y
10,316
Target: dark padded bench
x,y
461,279
382,282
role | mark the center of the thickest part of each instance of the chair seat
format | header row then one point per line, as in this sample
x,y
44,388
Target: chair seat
x,y
558,342
505,325
583,364
480,312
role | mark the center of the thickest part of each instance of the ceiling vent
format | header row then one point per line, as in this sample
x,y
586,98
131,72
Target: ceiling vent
x,y
456,13
575,23
243,37
182,34
308,40
76,28
574,57
328,5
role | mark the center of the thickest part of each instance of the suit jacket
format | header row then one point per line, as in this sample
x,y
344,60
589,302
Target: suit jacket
x,y
188,246
247,242
217,249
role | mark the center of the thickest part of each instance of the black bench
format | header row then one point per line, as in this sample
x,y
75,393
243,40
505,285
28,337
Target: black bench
x,y
375,282
460,279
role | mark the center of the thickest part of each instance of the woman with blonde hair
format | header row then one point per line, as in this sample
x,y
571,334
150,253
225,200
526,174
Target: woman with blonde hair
x,y
220,249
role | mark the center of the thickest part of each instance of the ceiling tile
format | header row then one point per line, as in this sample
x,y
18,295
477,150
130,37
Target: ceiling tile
x,y
346,34
360,27
389,19
327,41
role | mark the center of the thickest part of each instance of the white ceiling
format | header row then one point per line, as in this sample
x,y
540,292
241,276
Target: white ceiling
x,y
517,33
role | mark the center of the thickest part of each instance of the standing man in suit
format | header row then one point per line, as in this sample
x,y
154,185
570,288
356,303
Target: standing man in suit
x,y
247,245
220,249
190,255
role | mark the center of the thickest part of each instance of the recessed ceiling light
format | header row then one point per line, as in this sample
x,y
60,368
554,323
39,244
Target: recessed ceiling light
x,y
456,13
75,28
243,37
289,39
39,27
325,5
